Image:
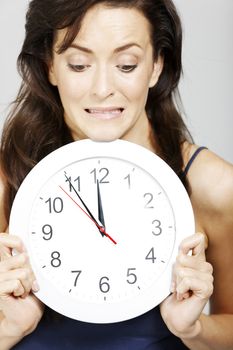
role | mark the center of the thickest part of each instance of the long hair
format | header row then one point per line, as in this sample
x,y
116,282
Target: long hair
x,y
36,126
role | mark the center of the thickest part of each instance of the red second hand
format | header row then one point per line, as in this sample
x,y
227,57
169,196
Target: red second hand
x,y
99,227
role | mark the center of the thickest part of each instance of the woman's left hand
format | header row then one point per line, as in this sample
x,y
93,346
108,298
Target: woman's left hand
x,y
192,287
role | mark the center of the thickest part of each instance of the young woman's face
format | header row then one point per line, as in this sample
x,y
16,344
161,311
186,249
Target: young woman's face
x,y
104,77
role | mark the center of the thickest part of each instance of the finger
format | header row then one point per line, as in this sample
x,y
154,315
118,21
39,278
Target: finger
x,y
35,286
24,275
188,266
182,273
9,242
13,287
200,288
193,262
14,262
183,276
196,243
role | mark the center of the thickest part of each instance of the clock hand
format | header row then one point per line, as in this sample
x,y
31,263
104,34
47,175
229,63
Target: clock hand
x,y
89,215
85,206
100,206
100,228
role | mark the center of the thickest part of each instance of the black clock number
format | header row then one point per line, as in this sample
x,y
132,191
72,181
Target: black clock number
x,y
47,231
132,278
78,182
77,272
151,255
149,198
104,285
157,227
71,184
128,178
56,261
103,174
55,205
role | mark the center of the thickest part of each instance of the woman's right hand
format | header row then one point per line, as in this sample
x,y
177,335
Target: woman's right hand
x,y
21,310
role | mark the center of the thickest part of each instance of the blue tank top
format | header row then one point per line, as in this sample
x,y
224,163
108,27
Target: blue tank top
x,y
146,332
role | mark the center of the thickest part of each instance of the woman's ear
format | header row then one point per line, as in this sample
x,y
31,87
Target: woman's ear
x,y
157,70
51,75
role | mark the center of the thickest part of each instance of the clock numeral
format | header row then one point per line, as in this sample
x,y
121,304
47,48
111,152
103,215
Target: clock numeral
x,y
104,172
151,255
132,278
157,226
71,186
55,205
78,272
128,178
47,231
104,285
56,261
149,198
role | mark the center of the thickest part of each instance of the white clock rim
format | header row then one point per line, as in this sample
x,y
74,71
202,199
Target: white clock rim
x,y
141,157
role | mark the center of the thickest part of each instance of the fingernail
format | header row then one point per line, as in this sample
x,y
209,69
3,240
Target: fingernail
x,y
172,287
35,286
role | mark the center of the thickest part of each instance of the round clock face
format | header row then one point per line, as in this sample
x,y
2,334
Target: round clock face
x,y
102,223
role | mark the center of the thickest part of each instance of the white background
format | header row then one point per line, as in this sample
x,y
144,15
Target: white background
x,y
207,85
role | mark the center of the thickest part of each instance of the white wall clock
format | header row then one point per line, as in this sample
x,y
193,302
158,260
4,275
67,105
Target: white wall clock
x,y
102,223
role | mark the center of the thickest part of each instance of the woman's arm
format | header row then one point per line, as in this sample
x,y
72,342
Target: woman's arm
x,y
212,183
6,340
20,310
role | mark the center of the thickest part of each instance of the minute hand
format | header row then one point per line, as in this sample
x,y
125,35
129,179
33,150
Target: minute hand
x,y
85,206
101,230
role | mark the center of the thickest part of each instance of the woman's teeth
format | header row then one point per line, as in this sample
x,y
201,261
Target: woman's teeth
x,y
107,113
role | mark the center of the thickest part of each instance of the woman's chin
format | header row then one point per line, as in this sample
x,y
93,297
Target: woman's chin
x,y
104,137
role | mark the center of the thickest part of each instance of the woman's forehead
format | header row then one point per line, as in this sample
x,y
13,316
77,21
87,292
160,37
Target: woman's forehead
x,y
115,26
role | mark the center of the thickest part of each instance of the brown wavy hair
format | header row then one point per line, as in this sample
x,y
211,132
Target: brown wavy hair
x,y
35,125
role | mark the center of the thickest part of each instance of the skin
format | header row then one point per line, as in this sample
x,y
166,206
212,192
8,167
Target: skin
x,y
104,102
106,67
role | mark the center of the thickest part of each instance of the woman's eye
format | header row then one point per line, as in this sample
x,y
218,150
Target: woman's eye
x,y
78,67
127,68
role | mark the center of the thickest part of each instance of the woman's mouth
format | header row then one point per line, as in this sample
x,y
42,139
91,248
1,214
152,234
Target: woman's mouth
x,y
105,113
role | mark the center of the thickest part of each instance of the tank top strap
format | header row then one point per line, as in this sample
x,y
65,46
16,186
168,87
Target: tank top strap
x,y
195,154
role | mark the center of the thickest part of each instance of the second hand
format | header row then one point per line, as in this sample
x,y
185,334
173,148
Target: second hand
x,y
98,226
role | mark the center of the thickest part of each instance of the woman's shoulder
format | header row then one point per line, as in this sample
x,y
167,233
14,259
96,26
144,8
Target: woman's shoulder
x,y
211,183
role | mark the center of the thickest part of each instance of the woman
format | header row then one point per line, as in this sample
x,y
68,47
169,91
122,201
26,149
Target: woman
x,y
106,70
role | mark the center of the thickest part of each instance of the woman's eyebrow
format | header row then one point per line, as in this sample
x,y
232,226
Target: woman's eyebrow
x,y
127,46
118,49
81,48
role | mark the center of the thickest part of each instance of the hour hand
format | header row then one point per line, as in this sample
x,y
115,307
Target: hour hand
x,y
100,206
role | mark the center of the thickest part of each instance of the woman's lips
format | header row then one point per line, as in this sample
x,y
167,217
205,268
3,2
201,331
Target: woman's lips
x,y
105,113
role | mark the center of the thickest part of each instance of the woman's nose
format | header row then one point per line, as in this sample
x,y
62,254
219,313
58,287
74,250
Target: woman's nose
x,y
103,85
